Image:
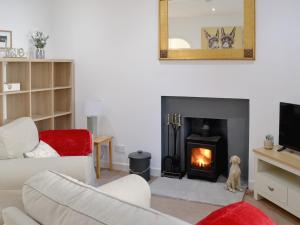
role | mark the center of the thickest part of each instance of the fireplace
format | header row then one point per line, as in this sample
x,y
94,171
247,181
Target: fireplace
x,y
203,157
226,118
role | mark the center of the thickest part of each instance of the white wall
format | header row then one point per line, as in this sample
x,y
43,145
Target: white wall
x,y
24,17
115,47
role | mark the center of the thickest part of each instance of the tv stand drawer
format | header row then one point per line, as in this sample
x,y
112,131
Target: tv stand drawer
x,y
271,188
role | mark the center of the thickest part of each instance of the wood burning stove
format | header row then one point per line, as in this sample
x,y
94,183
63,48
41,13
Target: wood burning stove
x,y
204,157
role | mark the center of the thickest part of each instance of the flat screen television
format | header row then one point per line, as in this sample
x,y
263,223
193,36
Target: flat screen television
x,y
289,126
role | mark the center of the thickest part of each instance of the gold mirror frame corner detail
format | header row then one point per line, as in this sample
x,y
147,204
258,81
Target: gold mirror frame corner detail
x,y
247,53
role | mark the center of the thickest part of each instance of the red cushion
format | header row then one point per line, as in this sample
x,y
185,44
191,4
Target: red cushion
x,y
241,213
68,142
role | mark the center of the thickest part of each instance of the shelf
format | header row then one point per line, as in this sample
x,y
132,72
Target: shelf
x,y
62,74
41,104
41,89
62,100
41,75
39,117
14,92
18,72
46,92
61,113
17,105
46,124
63,122
62,87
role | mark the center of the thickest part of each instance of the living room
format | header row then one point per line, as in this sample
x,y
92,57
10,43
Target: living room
x,y
114,48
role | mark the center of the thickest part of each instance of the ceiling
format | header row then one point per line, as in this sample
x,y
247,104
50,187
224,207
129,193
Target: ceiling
x,y
197,8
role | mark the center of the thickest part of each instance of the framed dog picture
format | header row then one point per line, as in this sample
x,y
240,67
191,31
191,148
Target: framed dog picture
x,y
5,39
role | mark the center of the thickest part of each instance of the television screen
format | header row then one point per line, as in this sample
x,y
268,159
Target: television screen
x,y
289,128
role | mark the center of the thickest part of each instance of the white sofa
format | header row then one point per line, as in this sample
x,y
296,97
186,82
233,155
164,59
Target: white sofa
x,y
51,198
21,136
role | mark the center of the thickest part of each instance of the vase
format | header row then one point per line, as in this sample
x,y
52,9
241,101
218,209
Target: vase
x,y
40,53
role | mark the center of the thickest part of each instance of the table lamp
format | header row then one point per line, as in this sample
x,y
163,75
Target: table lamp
x,y
93,109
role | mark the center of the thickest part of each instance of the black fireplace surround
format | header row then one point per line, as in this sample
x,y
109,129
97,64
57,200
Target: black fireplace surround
x,y
228,120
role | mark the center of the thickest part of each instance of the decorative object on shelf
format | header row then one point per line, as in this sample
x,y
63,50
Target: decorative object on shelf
x,y
93,109
14,53
39,40
269,142
5,39
11,87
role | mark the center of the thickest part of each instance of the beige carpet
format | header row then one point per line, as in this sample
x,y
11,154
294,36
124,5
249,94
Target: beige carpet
x,y
214,193
192,212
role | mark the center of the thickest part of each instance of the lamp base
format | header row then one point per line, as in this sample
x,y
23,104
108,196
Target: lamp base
x,y
92,125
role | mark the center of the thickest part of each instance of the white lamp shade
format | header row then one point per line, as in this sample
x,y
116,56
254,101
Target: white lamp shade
x,y
93,108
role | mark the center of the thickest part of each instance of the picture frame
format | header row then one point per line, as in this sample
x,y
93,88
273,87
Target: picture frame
x,y
5,39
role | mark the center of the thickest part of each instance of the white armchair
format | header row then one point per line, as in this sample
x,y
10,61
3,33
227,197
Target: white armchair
x,y
22,136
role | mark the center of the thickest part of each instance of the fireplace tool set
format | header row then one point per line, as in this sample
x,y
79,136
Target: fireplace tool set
x,y
172,160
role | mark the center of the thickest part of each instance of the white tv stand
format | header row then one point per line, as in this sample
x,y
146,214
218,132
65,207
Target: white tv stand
x,y
277,178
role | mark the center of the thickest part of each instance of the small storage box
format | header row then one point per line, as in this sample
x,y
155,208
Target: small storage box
x,y
139,163
11,87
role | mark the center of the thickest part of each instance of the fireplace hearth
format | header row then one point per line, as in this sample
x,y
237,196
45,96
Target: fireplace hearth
x,y
204,157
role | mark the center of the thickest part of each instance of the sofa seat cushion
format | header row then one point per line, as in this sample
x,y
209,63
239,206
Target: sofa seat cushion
x,y
69,142
51,199
240,213
17,138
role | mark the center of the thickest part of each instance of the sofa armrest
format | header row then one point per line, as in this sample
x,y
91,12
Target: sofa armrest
x,y
14,216
132,189
76,142
14,172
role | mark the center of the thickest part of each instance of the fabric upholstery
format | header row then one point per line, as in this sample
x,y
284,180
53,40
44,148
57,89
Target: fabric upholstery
x,y
18,137
132,188
43,150
15,172
53,199
241,213
69,142
14,216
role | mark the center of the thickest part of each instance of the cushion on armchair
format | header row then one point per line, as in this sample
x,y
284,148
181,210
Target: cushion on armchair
x,y
241,213
18,137
77,142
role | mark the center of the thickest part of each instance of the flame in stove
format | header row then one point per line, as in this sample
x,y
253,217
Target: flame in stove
x,y
201,157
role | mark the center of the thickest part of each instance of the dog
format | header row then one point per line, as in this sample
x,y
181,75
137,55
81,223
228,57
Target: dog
x,y
233,183
227,40
213,40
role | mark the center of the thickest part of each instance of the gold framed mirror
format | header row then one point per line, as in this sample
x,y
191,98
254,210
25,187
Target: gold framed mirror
x,y
207,29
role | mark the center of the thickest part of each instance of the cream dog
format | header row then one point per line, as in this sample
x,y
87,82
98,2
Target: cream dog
x,y
233,183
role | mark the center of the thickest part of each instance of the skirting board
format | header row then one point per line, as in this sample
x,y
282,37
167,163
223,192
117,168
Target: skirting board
x,y
125,167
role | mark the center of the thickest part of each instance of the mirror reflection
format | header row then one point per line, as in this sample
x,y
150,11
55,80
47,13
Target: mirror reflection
x,y
206,24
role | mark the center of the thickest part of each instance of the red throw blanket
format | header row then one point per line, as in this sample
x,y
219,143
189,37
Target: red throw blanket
x,y
241,213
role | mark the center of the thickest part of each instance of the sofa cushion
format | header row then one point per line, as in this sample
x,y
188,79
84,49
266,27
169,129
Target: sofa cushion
x,y
51,199
18,137
43,150
76,142
241,213
14,216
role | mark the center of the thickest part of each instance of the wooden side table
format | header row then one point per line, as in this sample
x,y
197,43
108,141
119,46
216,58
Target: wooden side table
x,y
99,141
